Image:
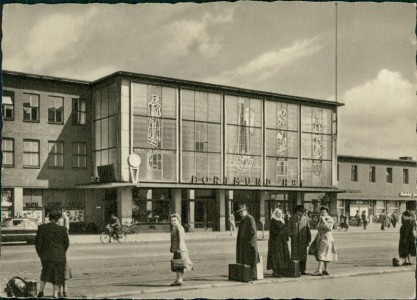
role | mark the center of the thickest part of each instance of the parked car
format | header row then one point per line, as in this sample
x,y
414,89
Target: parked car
x,y
19,230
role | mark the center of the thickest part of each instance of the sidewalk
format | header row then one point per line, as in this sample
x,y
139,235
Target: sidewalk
x,y
150,237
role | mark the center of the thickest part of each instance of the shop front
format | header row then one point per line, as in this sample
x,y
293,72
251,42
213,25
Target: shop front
x,y
7,200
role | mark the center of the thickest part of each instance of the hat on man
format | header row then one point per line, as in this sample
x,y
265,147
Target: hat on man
x,y
242,207
407,213
324,207
300,208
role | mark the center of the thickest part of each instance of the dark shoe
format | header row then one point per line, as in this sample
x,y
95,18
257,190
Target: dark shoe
x,y
40,295
303,273
326,273
176,283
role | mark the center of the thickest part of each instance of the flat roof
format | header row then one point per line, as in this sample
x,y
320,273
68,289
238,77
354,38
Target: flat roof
x,y
175,81
353,158
43,77
223,88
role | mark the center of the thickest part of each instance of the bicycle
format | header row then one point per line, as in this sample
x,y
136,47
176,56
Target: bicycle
x,y
108,234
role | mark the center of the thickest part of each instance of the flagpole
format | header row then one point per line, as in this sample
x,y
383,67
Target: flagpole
x,y
335,55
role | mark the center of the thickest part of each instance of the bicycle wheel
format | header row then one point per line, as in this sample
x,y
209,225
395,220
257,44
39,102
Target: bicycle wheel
x,y
122,237
104,237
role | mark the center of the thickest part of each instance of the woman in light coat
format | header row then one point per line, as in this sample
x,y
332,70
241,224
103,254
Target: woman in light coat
x,y
326,251
178,248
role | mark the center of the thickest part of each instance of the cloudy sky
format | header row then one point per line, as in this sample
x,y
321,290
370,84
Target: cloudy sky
x,y
283,47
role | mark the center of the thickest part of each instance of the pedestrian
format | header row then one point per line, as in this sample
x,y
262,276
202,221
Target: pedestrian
x,y
179,249
51,244
394,218
384,219
278,252
299,231
406,246
358,218
232,223
246,243
364,220
326,251
413,219
64,221
344,221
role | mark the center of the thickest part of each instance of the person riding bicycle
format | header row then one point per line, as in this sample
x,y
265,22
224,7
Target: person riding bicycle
x,y
114,226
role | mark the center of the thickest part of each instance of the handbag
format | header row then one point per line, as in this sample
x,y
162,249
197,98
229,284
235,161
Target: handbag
x,y
178,264
313,247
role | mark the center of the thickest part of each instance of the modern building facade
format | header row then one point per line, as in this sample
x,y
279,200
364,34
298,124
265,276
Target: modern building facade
x,y
196,149
380,184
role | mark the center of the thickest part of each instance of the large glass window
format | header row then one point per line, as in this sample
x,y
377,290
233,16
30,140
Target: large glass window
x,y
55,110
79,114
281,122
56,154
7,147
79,155
105,126
7,105
201,135
155,131
316,146
151,206
31,153
31,108
244,139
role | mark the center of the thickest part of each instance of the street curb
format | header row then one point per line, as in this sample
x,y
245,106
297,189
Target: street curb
x,y
234,283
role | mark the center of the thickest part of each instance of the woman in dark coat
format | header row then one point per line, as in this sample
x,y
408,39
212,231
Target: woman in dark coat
x,y
278,252
51,245
406,246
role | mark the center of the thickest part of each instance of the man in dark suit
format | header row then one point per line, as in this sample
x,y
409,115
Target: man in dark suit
x,y
246,245
51,245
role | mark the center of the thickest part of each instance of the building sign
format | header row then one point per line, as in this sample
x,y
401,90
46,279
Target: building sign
x,y
408,194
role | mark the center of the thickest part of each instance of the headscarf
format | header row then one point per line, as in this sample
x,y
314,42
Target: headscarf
x,y
274,215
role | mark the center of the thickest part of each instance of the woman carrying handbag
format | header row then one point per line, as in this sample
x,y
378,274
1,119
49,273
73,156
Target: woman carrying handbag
x,y
180,262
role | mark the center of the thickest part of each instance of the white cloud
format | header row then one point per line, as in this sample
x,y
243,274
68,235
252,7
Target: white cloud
x,y
184,34
269,63
379,118
54,38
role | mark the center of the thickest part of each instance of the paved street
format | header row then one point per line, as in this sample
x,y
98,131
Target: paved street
x,y
143,269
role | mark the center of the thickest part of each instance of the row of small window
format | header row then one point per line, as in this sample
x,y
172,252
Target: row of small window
x,y
31,154
31,108
372,174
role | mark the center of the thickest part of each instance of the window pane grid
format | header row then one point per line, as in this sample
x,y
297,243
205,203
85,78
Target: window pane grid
x,y
55,110
8,105
79,112
31,153
8,151
56,154
31,108
79,159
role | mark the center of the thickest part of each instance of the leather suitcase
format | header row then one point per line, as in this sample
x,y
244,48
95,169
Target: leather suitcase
x,y
238,272
293,269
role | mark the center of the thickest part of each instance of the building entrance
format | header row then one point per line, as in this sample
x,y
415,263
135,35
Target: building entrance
x,y
204,214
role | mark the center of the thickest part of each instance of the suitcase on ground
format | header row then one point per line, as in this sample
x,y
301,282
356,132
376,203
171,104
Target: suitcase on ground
x,y
293,269
239,272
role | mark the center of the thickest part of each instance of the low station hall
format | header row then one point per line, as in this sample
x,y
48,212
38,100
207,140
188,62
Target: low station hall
x,y
143,147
